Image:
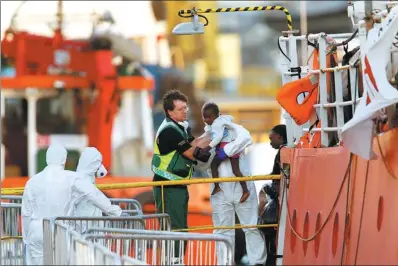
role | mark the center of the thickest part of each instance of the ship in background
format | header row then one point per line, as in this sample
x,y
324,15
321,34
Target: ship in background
x,y
338,196
335,207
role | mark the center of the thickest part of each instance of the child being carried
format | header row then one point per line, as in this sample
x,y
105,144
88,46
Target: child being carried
x,y
223,131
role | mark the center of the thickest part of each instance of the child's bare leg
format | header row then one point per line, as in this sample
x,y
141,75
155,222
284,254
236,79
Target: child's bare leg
x,y
214,172
238,173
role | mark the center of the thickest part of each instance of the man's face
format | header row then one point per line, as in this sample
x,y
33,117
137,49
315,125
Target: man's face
x,y
208,117
275,140
179,114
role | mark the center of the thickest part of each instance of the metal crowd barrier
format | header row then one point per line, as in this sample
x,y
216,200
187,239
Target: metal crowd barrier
x,y
156,222
11,231
158,248
48,241
124,203
112,246
130,261
102,256
11,198
128,204
53,233
11,251
71,249
12,244
11,215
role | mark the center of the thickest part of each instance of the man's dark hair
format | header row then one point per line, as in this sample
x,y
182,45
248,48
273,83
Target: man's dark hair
x,y
170,97
281,131
212,107
271,191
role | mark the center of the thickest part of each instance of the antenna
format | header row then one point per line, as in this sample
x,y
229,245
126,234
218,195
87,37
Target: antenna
x,y
60,16
14,16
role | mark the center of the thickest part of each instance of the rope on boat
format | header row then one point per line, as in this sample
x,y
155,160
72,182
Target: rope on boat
x,y
300,236
389,170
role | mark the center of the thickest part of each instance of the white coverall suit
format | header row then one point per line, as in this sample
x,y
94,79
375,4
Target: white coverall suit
x,y
226,202
54,192
89,162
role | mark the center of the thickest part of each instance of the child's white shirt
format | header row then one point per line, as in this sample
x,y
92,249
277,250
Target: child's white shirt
x,y
222,130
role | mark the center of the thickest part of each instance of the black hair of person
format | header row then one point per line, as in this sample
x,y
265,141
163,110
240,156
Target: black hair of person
x,y
281,131
212,107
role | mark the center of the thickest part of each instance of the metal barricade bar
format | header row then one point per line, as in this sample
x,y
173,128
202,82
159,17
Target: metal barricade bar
x,y
155,222
11,213
133,212
312,37
11,251
69,248
102,255
48,241
124,203
127,204
158,248
130,261
62,244
12,198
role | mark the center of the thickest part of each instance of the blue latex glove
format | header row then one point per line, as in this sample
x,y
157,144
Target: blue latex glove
x,y
220,154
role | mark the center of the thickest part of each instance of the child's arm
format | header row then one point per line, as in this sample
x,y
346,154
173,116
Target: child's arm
x,y
217,133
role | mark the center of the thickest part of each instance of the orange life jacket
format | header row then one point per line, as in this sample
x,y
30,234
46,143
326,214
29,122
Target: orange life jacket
x,y
311,139
298,97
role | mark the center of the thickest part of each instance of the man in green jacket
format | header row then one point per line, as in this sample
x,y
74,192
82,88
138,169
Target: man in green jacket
x,y
175,154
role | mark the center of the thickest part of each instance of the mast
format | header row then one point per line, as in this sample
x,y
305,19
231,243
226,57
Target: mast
x,y
368,8
58,38
368,15
60,16
303,30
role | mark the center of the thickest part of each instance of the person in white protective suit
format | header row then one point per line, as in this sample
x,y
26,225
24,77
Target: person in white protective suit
x,y
89,167
54,192
226,202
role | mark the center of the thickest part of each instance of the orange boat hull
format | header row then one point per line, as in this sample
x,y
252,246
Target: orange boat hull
x,y
362,227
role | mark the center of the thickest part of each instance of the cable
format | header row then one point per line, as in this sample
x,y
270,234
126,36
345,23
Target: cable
x,y
343,42
346,220
207,21
280,49
356,89
315,45
362,209
182,16
192,14
389,170
330,213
